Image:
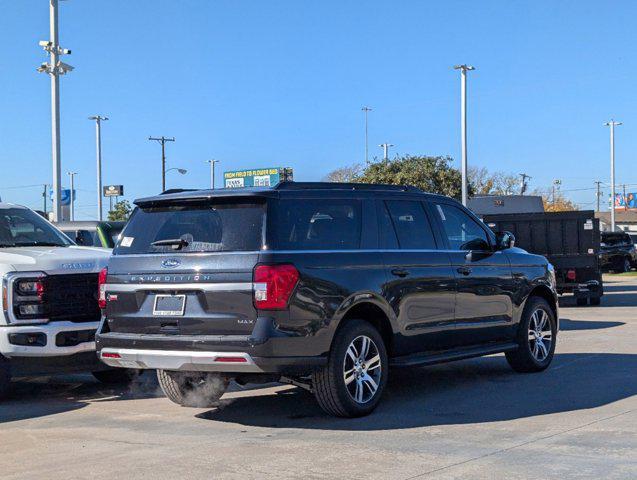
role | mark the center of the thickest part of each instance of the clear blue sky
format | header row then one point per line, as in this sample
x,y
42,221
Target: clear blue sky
x,y
256,83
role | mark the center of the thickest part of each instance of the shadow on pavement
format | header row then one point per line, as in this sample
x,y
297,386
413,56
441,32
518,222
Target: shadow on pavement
x,y
566,324
51,395
472,391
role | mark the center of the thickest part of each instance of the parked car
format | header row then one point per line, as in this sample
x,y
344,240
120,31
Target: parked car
x,y
617,252
570,242
49,310
91,233
319,284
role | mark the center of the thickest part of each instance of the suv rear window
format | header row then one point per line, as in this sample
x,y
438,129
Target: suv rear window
x,y
316,224
209,227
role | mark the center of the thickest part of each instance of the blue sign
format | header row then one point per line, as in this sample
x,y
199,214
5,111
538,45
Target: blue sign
x,y
65,196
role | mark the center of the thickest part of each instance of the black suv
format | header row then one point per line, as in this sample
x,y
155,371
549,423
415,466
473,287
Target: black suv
x,y
617,252
321,285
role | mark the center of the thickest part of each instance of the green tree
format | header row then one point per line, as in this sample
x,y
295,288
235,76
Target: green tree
x,y
120,212
430,174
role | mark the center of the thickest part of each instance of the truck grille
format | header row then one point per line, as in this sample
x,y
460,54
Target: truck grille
x,y
72,298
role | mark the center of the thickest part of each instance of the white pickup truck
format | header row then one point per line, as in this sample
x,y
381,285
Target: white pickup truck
x,y
49,307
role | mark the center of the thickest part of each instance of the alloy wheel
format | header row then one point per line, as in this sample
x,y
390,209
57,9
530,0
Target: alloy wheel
x,y
362,369
540,335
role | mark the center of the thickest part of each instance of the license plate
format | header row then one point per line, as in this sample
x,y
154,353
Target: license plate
x,y
169,305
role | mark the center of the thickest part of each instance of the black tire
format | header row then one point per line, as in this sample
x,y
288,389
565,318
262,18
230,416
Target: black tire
x,y
116,376
524,359
595,300
626,266
5,378
582,301
193,389
330,389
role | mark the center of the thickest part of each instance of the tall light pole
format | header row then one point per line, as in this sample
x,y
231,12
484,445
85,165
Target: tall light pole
x,y
162,140
98,151
55,68
366,110
463,127
385,146
612,124
72,198
212,172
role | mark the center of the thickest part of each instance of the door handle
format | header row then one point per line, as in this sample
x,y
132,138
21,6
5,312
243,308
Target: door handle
x,y
400,272
464,270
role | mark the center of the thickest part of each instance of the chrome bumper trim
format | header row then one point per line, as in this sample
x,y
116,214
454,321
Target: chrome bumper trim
x,y
179,360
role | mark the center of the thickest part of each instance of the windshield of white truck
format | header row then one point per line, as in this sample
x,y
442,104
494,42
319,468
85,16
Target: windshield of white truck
x,y
20,227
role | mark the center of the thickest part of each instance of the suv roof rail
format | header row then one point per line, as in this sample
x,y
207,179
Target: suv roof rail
x,y
344,186
178,190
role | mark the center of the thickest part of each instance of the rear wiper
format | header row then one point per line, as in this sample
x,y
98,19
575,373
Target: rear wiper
x,y
176,243
39,244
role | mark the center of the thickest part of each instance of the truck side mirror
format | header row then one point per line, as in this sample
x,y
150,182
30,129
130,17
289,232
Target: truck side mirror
x,y
84,238
504,240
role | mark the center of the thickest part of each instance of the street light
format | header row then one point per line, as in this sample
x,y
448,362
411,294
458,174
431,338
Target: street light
x,y
612,124
463,127
212,172
385,146
366,110
98,151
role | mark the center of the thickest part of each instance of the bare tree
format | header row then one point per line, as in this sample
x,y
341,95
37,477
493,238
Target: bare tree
x,y
484,182
345,174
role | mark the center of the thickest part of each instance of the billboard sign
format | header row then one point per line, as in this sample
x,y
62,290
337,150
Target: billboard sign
x,y
627,202
65,196
113,190
259,177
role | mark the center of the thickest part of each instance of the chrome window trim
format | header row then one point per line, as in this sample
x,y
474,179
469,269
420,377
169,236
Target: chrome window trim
x,y
207,287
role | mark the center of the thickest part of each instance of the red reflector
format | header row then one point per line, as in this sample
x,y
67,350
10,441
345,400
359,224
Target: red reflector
x,y
231,359
571,275
110,355
273,286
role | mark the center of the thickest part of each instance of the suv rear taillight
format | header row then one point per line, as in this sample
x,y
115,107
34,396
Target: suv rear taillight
x,y
273,285
571,275
101,285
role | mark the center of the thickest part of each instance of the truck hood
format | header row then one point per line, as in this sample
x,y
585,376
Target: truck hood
x,y
54,260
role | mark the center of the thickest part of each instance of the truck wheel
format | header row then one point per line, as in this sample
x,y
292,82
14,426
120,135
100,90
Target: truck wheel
x,y
626,265
193,389
5,378
536,338
352,382
116,375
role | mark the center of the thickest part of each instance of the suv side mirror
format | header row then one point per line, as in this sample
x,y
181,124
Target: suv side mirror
x,y
504,240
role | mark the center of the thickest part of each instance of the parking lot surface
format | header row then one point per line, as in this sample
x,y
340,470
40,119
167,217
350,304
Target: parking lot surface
x,y
474,419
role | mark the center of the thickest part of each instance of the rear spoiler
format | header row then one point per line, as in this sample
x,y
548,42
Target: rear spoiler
x,y
189,196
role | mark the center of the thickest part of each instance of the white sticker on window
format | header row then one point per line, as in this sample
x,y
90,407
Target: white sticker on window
x,y
442,214
127,241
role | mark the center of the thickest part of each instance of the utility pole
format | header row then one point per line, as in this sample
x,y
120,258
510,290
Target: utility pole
x,y
212,172
523,183
625,200
162,140
612,124
55,68
556,185
98,151
385,146
72,204
44,198
463,127
366,110
599,193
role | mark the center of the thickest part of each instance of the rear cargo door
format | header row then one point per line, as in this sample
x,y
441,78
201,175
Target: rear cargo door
x,y
186,269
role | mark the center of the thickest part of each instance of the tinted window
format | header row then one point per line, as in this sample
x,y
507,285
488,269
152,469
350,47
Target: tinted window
x,y
462,231
20,227
309,224
85,238
388,238
203,228
411,225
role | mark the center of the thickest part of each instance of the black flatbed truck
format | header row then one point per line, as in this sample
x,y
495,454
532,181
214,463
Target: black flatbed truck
x,y
569,240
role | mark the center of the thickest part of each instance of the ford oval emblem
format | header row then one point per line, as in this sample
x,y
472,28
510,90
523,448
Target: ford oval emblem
x,y
171,263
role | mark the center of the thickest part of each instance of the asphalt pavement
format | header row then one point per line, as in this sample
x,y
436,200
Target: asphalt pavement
x,y
474,419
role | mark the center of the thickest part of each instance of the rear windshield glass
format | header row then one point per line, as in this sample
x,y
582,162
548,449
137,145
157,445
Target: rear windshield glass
x,y
198,228
313,224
